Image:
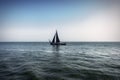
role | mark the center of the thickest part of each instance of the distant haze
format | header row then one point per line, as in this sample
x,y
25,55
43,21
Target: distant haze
x,y
37,20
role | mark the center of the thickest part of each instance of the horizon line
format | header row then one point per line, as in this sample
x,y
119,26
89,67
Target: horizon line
x,y
64,41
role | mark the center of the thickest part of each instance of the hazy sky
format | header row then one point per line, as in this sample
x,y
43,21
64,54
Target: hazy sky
x,y
75,20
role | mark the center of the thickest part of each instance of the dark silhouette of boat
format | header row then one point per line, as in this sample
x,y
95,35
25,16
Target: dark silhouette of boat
x,y
56,40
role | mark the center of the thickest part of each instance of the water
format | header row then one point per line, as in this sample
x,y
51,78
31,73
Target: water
x,y
75,61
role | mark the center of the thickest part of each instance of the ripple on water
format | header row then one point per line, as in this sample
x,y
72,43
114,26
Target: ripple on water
x,y
79,61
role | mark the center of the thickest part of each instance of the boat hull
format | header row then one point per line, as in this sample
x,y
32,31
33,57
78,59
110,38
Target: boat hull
x,y
57,43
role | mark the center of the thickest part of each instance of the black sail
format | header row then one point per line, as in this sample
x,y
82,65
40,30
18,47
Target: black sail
x,y
53,41
57,38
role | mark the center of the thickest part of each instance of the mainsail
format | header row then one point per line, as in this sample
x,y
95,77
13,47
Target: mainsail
x,y
57,38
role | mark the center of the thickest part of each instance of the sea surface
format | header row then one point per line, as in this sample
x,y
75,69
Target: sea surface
x,y
75,61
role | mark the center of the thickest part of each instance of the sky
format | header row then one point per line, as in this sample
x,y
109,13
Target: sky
x,y
75,20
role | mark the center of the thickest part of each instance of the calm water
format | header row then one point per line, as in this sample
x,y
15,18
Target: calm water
x,y
75,61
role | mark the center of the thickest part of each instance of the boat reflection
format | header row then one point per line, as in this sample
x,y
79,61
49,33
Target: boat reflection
x,y
56,57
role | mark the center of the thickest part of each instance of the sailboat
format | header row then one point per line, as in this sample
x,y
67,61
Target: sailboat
x,y
56,40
